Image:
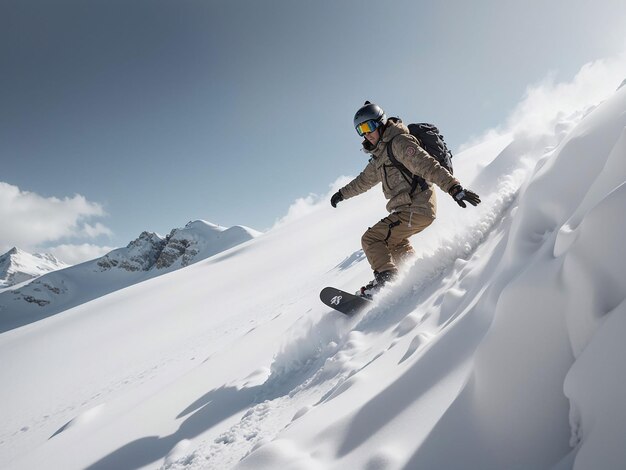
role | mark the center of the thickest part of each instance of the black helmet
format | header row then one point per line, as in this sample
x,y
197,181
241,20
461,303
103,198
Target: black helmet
x,y
370,112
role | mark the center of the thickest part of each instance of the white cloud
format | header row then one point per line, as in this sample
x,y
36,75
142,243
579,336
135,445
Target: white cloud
x,y
306,205
75,254
28,219
93,231
548,101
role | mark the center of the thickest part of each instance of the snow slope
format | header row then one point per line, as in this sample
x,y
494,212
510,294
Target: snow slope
x,y
147,256
500,347
17,266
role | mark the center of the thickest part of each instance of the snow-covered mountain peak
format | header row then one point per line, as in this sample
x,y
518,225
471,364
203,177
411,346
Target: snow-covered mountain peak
x,y
17,266
139,255
146,237
197,240
203,225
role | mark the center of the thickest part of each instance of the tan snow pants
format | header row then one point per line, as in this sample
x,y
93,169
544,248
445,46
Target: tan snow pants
x,y
386,244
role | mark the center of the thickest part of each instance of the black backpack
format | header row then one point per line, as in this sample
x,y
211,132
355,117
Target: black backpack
x,y
430,140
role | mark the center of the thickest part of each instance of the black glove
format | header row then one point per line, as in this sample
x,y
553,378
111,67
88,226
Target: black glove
x,y
460,195
336,199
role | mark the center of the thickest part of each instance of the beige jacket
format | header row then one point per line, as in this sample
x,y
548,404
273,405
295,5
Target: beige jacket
x,y
395,187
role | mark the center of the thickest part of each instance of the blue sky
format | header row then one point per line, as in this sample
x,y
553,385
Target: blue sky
x,y
123,116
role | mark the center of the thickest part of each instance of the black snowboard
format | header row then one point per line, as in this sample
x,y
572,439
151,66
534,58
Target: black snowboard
x,y
342,301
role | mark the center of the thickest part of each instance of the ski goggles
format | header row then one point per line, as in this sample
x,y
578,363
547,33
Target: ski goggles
x,y
367,127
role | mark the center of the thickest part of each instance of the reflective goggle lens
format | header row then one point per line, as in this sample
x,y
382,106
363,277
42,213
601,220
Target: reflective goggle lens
x,y
366,127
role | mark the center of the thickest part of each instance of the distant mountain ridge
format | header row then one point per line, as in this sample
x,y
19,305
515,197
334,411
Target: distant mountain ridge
x,y
183,246
148,256
17,266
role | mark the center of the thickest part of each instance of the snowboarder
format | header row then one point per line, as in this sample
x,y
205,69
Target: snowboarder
x,y
411,208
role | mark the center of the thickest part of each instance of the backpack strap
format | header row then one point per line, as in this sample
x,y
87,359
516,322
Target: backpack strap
x,y
410,178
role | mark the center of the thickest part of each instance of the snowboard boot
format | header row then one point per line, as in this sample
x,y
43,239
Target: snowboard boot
x,y
380,279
